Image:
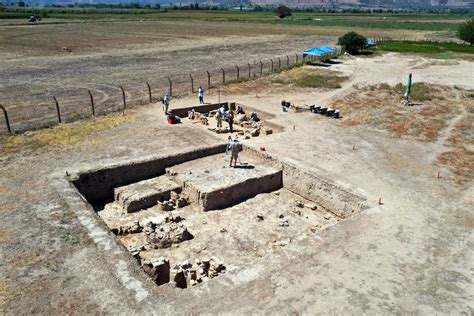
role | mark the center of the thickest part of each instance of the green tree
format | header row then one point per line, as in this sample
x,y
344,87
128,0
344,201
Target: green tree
x,y
466,31
283,11
352,42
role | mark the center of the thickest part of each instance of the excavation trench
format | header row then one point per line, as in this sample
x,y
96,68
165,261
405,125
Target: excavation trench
x,y
187,218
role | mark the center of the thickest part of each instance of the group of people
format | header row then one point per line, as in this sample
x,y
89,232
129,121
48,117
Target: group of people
x,y
234,146
223,115
253,115
167,98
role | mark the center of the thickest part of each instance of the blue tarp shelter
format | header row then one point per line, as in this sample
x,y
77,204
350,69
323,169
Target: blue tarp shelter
x,y
371,43
320,51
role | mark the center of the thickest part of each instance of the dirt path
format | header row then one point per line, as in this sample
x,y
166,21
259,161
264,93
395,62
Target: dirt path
x,y
442,141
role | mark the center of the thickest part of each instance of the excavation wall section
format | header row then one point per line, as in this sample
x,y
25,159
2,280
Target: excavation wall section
x,y
332,197
97,185
239,192
336,199
183,112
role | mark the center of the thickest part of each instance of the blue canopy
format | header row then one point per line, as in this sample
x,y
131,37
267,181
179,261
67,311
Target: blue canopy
x,y
371,43
327,49
320,51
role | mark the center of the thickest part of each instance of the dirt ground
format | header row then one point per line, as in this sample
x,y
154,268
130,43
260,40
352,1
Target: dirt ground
x,y
411,254
65,60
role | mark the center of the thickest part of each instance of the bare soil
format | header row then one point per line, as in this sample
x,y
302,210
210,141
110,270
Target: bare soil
x,y
66,60
410,252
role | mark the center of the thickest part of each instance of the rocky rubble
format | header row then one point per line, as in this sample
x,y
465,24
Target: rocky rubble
x,y
170,231
186,274
158,269
176,201
128,229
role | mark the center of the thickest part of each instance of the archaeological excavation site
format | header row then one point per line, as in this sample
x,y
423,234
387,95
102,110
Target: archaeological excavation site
x,y
186,219
217,158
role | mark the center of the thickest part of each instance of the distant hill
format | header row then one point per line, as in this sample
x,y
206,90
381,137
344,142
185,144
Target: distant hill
x,y
398,4
333,4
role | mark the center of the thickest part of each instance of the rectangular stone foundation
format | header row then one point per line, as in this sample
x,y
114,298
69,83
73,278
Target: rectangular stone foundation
x,y
227,196
212,184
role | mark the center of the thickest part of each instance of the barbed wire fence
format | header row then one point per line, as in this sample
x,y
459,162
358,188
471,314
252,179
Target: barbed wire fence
x,y
83,102
99,99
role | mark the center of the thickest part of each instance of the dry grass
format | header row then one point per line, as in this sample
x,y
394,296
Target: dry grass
x,y
461,162
65,134
7,293
310,79
460,159
298,77
379,106
463,133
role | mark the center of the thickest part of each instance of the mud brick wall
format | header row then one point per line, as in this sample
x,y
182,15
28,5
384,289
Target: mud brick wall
x,y
224,197
329,195
325,193
183,112
97,185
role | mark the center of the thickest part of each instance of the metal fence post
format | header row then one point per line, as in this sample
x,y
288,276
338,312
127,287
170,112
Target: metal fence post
x,y
6,118
250,70
238,72
208,80
279,63
92,102
192,83
123,97
304,58
287,60
223,75
149,91
272,63
57,109
296,62
261,68
171,87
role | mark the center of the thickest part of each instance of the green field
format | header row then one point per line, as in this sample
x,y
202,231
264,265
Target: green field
x,y
428,48
417,21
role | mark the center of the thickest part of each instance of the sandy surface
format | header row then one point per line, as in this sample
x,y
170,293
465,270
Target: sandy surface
x,y
410,255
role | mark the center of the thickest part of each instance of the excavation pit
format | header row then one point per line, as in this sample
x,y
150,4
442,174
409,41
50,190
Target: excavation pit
x,y
158,210
243,126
